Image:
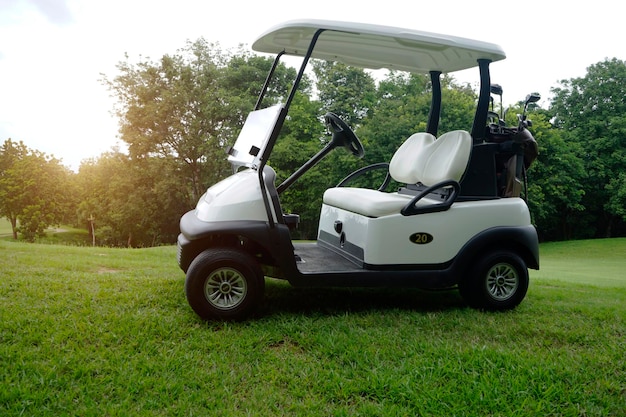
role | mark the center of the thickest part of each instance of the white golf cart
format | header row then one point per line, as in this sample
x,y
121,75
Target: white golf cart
x,y
458,221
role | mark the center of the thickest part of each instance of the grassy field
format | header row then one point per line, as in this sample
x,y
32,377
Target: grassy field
x,y
108,332
63,235
5,227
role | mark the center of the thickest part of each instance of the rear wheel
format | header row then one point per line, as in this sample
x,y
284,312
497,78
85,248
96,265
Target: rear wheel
x,y
497,282
224,284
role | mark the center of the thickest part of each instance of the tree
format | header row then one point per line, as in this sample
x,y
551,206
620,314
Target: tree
x,y
172,108
131,202
590,111
33,189
190,106
459,105
556,179
301,138
347,91
243,79
177,115
402,109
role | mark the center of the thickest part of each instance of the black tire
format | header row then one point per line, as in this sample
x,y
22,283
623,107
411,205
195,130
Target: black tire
x,y
224,284
497,282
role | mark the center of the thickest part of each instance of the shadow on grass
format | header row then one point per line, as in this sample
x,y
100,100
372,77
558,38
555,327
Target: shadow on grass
x,y
281,298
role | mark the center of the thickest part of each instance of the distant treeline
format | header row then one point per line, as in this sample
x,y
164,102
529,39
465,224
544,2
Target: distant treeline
x,y
179,114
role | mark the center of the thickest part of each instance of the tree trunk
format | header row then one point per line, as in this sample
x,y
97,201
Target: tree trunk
x,y
565,231
13,221
196,182
608,229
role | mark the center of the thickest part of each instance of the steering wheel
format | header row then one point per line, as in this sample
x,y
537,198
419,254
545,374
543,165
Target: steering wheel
x,y
343,135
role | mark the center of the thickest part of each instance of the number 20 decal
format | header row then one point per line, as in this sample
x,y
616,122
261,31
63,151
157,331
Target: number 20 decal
x,y
421,238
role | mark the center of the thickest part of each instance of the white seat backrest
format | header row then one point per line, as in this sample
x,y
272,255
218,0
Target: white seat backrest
x,y
404,167
427,160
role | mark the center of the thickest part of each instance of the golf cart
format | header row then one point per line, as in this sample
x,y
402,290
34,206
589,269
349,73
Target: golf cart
x,y
458,221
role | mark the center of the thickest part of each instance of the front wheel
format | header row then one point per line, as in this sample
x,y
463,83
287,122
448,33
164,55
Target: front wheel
x,y
224,284
497,282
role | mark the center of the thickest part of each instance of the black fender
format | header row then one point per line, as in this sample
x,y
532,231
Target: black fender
x,y
256,237
522,240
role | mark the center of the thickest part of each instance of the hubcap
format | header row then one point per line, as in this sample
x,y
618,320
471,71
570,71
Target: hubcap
x,y
225,288
502,281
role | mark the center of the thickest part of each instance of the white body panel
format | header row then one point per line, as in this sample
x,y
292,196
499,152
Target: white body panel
x,y
238,197
385,240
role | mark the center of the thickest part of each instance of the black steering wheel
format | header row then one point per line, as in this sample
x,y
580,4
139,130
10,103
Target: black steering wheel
x,y
343,135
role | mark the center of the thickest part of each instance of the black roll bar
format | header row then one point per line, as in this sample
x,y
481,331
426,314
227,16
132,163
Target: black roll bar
x,y
435,103
281,119
480,117
268,79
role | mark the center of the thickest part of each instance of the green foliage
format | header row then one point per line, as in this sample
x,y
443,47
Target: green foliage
x,y
346,91
131,202
172,108
590,110
301,138
243,79
402,108
98,331
617,195
458,106
190,106
33,190
180,113
556,182
177,116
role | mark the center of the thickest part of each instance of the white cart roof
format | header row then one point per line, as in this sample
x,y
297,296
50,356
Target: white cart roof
x,y
376,46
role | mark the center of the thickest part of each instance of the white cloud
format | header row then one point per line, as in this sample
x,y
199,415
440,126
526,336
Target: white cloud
x,y
56,11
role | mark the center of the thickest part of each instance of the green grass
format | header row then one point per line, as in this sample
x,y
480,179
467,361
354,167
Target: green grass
x,y
108,332
5,227
600,262
62,235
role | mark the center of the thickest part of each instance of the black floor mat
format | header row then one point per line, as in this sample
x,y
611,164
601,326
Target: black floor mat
x,y
314,258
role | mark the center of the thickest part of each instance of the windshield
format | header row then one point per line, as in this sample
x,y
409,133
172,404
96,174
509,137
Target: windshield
x,y
253,137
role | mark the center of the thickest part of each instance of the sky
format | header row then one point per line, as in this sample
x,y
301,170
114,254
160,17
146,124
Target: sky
x,y
53,53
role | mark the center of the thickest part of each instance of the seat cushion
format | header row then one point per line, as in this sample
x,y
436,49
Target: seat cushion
x,y
371,203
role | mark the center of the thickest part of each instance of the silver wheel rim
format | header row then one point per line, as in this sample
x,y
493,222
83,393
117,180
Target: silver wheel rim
x,y
225,288
502,281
